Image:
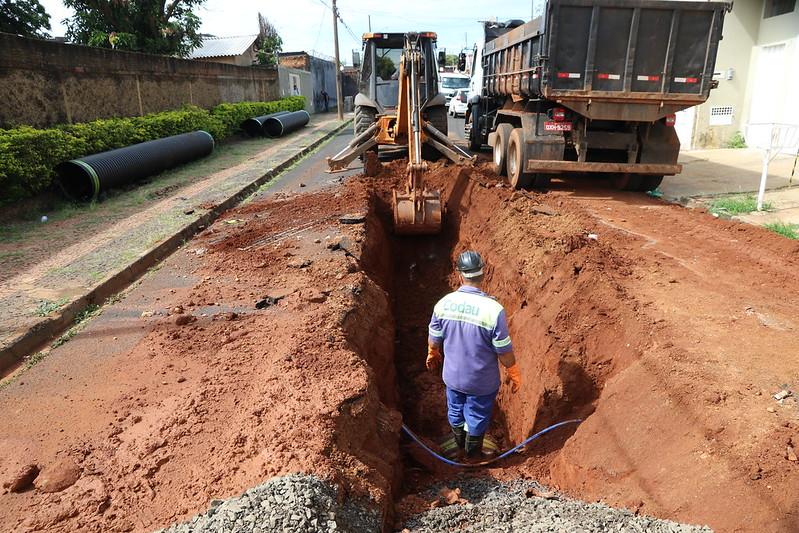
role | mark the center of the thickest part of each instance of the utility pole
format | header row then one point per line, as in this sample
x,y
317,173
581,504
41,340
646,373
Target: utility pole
x,y
370,22
339,103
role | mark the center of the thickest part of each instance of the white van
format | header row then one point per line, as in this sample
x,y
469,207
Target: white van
x,y
450,82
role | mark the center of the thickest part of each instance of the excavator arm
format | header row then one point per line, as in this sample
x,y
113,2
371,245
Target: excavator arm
x,y
417,210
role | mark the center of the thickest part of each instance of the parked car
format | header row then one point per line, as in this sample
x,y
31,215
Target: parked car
x,y
459,103
450,82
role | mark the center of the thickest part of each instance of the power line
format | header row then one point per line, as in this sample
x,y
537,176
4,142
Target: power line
x,y
319,29
337,14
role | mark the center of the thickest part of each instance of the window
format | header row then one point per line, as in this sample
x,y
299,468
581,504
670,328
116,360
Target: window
x,y
452,82
778,7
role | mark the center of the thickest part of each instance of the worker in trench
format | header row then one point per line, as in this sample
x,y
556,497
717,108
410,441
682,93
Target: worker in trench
x,y
469,334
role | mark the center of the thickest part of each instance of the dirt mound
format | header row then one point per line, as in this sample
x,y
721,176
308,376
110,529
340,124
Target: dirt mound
x,y
666,330
193,410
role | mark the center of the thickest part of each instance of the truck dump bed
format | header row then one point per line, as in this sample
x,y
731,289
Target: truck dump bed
x,y
635,60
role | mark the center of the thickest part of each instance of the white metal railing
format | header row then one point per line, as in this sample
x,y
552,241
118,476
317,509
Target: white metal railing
x,y
773,138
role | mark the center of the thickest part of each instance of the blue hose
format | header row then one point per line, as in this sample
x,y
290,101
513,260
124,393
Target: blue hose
x,y
450,462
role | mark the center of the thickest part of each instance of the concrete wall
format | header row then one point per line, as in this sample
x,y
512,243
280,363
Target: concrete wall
x,y
44,83
779,28
323,73
305,86
349,81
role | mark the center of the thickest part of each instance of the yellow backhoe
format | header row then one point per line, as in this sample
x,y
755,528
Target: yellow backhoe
x,y
401,69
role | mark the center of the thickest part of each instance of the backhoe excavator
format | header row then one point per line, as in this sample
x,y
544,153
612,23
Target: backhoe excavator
x,y
399,104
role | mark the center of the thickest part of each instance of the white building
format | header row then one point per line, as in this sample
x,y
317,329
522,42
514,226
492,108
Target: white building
x,y
758,73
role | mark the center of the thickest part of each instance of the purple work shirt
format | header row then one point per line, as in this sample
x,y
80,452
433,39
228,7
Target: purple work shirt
x,y
473,330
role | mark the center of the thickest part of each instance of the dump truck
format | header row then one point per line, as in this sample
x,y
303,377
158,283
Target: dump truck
x,y
593,86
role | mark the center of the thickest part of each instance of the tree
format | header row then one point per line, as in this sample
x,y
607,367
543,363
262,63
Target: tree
x,y
385,67
24,17
152,26
269,43
452,60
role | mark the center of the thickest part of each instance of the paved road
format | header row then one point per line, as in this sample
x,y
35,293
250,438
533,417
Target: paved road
x,y
311,173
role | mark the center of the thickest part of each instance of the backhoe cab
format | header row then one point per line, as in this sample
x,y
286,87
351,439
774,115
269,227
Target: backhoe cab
x,y
399,104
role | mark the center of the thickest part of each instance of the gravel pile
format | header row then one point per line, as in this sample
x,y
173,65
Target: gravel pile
x,y
498,507
294,503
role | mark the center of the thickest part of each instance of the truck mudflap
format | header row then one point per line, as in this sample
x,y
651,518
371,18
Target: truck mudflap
x,y
549,166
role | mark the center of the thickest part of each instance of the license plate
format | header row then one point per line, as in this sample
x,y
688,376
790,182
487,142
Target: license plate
x,y
557,126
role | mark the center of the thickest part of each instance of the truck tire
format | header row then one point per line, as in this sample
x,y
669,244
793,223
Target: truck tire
x,y
437,117
515,161
649,183
475,135
501,138
364,118
627,182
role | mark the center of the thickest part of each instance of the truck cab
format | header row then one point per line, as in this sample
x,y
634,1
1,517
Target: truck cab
x,y
378,85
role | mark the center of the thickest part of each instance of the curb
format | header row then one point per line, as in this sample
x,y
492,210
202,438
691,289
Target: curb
x,y
46,330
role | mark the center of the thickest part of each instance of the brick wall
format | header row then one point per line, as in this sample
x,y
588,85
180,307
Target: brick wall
x,y
44,83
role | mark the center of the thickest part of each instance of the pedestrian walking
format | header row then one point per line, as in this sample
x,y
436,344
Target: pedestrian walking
x,y
325,99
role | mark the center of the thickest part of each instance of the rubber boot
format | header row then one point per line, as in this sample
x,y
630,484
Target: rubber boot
x,y
474,445
460,436
452,446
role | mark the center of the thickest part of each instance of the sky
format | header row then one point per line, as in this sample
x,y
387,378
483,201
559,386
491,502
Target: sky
x,y
308,24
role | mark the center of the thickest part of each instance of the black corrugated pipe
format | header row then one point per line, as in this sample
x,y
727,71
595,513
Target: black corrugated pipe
x,y
254,127
277,126
84,178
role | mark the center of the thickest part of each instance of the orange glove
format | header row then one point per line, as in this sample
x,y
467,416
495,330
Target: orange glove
x,y
515,377
434,357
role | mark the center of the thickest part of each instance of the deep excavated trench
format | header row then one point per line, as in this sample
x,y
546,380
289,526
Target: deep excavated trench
x,y
572,325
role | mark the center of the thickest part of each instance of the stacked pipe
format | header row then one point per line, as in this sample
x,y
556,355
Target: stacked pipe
x,y
254,127
275,124
85,178
282,124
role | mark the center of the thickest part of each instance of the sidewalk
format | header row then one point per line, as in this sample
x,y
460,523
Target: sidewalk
x,y
100,265
725,171
784,208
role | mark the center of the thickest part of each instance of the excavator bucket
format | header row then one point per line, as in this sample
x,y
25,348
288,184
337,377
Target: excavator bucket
x,y
417,212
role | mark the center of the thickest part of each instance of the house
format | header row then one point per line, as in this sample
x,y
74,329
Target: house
x,y
231,50
296,82
323,76
757,69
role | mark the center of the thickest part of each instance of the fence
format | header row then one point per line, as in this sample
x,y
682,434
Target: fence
x,y
773,138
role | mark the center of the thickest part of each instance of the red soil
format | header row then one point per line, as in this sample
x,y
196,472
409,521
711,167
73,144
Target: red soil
x,y
165,420
668,333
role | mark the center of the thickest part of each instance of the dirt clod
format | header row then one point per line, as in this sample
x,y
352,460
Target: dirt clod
x,y
790,454
313,296
183,320
58,476
22,478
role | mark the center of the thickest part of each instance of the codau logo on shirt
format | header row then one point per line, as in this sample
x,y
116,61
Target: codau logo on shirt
x,y
462,307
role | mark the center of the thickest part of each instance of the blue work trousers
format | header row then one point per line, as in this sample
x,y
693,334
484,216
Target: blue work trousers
x,y
474,411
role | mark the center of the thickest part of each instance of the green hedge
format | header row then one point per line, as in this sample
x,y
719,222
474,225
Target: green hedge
x,y
29,155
